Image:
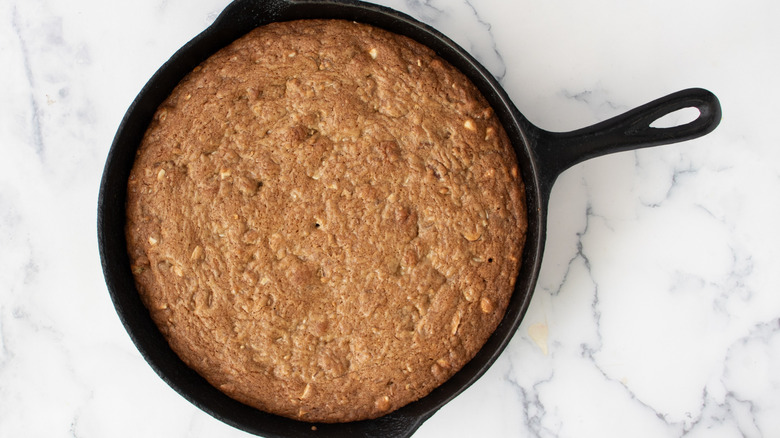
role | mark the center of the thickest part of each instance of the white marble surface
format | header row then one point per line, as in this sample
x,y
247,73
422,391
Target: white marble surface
x,y
660,288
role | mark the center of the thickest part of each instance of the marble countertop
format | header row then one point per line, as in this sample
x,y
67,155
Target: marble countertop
x,y
657,311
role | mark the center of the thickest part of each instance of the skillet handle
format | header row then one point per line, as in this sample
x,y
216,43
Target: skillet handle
x,y
558,151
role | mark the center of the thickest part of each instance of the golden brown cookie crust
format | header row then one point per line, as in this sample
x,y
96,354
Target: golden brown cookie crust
x,y
325,220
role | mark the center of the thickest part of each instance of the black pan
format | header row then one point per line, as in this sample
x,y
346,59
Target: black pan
x,y
542,156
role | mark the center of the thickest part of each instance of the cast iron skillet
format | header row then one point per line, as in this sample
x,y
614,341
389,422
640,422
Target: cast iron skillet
x,y
542,156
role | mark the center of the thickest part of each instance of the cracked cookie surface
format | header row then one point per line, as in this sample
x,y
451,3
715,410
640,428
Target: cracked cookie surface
x,y
325,220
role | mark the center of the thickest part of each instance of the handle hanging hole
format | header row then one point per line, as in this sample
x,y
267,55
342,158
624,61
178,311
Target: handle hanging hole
x,y
681,117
